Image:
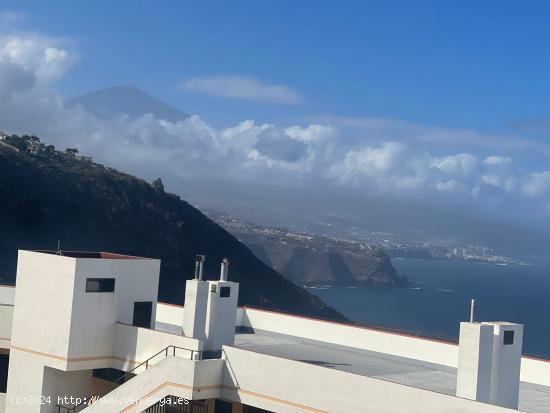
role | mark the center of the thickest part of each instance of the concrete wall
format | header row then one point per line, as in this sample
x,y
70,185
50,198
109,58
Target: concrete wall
x,y
255,379
506,365
6,320
533,370
221,314
133,345
25,383
33,388
172,376
197,299
94,314
59,386
43,303
55,316
57,324
169,314
475,360
7,294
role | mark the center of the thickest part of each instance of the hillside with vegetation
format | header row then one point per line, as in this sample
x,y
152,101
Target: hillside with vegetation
x,y
49,195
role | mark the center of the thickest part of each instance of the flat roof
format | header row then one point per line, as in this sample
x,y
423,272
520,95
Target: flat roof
x,y
93,255
415,373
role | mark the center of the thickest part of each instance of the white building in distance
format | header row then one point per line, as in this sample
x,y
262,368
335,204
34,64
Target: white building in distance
x,y
84,332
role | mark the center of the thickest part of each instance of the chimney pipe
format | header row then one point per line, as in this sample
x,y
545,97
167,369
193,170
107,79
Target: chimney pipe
x,y
472,308
224,269
199,260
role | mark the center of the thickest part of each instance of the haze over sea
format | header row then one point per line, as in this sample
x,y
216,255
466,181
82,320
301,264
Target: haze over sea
x,y
516,293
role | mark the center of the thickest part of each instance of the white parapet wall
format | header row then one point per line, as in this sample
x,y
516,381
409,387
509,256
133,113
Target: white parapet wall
x,y
133,345
169,317
6,319
255,379
365,338
169,314
533,370
7,294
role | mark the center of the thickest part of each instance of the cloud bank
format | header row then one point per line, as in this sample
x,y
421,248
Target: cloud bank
x,y
374,156
242,87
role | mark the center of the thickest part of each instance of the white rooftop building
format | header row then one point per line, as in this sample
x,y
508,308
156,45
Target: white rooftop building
x,y
88,327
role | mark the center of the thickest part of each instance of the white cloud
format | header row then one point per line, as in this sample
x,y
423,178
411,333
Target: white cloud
x,y
276,144
372,130
371,156
450,186
463,164
242,87
500,171
43,57
371,161
498,160
537,184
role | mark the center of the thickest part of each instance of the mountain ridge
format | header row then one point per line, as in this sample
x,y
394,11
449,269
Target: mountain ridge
x,y
126,100
51,195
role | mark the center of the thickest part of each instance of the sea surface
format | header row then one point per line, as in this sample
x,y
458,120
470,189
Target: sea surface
x,y
516,293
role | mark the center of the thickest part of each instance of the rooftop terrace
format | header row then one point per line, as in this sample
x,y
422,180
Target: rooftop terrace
x,y
415,373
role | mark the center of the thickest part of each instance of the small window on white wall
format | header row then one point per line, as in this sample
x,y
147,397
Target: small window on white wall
x,y
100,285
508,337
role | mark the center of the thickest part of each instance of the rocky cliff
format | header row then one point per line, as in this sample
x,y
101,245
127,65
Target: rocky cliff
x,y
314,260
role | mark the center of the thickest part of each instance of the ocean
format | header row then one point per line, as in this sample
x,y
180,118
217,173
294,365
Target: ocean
x,y
516,293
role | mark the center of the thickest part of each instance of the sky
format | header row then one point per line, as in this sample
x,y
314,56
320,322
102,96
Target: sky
x,y
435,63
444,103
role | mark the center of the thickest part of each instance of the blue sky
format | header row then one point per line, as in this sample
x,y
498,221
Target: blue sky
x,y
458,64
442,103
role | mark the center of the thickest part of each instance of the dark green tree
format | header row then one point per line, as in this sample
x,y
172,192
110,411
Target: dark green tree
x,y
71,152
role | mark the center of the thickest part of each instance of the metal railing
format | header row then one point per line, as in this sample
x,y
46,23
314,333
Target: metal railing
x,y
168,351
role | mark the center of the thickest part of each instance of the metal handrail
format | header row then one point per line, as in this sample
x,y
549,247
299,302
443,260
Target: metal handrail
x,y
94,397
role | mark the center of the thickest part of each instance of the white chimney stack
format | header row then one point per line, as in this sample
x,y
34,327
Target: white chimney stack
x,y
210,310
489,362
196,303
199,260
222,311
224,270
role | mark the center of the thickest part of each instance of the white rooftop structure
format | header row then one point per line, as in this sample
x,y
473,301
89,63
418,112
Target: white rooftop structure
x,y
87,326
